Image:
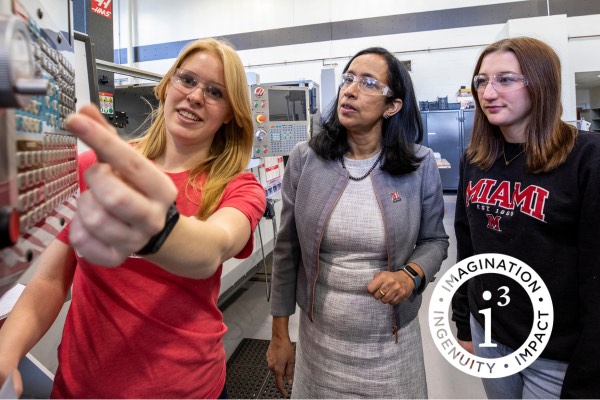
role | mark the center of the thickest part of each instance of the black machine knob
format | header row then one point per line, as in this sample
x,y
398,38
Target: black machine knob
x,y
10,226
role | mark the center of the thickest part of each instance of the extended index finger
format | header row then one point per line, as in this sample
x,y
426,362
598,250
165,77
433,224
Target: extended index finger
x,y
91,127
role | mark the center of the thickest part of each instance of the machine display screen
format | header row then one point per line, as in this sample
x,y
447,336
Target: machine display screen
x,y
287,105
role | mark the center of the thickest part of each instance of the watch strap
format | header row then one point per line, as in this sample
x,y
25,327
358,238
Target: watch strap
x,y
419,282
156,241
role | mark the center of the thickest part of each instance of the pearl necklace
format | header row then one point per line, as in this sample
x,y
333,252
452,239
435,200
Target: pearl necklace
x,y
368,172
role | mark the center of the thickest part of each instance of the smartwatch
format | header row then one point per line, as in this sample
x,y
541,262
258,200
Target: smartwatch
x,y
156,241
414,275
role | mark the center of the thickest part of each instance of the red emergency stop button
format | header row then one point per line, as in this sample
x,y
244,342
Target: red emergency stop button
x,y
261,118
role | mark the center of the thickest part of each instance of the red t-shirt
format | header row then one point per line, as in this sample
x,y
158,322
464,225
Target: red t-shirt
x,y
138,331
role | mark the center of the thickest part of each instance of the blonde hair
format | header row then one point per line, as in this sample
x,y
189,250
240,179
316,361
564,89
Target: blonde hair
x,y
231,147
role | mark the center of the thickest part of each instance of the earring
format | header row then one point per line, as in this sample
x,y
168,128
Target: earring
x,y
386,116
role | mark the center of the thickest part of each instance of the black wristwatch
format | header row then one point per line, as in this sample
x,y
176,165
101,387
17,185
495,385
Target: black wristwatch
x,y
156,241
415,277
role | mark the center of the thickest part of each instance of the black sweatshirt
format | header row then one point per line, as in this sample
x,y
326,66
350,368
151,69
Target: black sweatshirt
x,y
551,222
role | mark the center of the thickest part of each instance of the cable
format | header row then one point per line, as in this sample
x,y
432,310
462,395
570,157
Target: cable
x,y
269,214
262,249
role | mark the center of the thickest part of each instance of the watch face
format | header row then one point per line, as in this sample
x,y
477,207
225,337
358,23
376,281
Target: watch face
x,y
419,282
411,271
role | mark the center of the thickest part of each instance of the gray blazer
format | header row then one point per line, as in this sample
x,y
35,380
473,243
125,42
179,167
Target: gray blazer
x,y
311,188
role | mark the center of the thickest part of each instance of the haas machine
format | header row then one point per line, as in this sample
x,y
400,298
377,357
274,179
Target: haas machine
x,y
38,157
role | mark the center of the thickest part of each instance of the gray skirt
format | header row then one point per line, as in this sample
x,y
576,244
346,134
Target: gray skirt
x,y
339,361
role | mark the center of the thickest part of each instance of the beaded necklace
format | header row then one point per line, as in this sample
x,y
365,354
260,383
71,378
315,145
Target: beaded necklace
x,y
368,172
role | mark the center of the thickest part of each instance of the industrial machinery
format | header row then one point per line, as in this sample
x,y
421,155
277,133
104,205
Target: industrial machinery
x,y
38,157
448,133
283,115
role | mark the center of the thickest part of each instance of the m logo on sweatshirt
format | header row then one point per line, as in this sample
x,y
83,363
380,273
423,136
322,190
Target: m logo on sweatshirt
x,y
494,222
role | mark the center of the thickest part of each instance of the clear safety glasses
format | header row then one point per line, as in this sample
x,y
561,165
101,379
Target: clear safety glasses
x,y
501,82
186,82
366,85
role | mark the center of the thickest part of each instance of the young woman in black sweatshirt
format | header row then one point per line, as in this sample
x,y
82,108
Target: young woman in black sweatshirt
x,y
530,188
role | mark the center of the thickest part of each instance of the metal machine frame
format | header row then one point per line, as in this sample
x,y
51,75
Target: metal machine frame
x,y
38,157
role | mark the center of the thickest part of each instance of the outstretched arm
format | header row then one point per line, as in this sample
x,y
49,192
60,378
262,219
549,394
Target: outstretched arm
x,y
126,204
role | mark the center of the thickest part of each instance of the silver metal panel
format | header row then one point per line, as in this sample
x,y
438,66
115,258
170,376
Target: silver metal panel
x,y
467,128
329,89
444,137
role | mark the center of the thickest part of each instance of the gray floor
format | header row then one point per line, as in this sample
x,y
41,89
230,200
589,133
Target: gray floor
x,y
248,317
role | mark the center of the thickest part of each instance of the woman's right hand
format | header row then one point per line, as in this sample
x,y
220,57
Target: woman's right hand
x,y
281,360
128,195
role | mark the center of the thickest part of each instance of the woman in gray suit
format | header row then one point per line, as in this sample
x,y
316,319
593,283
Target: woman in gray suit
x,y
361,236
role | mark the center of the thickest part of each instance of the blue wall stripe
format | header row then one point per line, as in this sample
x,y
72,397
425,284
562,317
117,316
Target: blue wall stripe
x,y
120,56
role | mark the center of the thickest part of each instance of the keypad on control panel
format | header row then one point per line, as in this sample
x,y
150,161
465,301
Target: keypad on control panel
x,y
285,136
46,154
47,176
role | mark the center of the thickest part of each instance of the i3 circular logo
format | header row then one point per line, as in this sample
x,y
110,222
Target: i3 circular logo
x,y
543,315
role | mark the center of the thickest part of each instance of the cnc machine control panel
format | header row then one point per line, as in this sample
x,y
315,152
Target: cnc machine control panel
x,y
38,157
281,118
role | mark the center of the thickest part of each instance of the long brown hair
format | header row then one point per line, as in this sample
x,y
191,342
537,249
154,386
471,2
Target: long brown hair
x,y
548,140
231,147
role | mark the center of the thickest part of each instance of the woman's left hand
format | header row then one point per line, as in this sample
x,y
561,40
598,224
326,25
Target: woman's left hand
x,y
391,287
127,199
